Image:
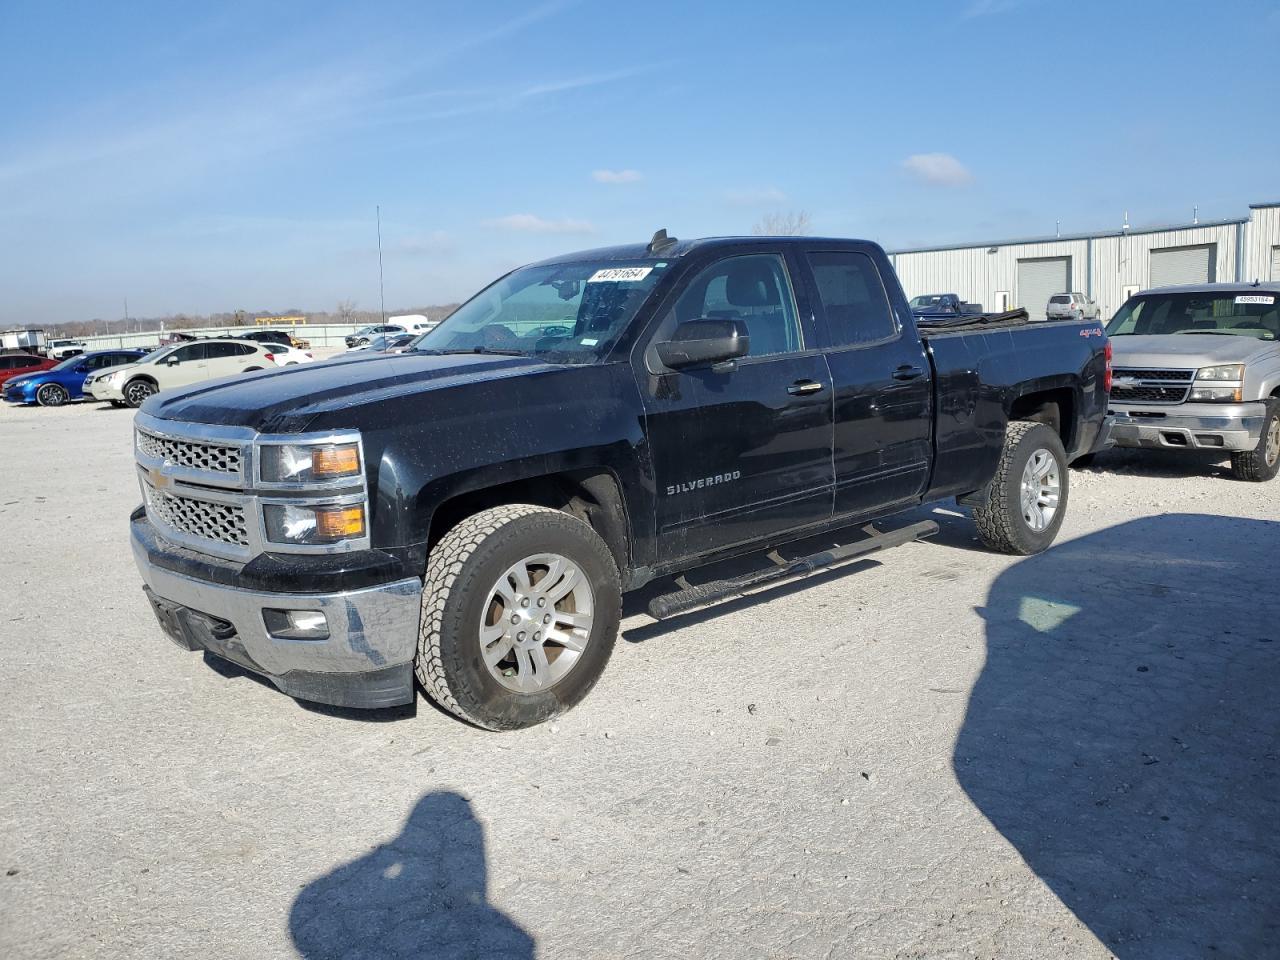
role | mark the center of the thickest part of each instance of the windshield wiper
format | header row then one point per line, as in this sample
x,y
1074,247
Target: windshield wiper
x,y
455,351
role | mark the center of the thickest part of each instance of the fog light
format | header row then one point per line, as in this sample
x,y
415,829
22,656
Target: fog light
x,y
296,624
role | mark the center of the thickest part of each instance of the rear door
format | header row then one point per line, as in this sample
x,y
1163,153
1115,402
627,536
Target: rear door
x,y
882,384
741,450
227,359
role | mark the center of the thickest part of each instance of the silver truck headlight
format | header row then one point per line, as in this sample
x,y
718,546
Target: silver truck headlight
x,y
1214,394
1226,371
321,524
307,463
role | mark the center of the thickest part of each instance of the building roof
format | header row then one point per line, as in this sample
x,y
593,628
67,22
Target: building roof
x,y
1097,235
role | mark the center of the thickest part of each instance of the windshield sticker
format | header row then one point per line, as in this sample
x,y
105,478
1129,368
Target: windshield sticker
x,y
1256,298
620,274
588,341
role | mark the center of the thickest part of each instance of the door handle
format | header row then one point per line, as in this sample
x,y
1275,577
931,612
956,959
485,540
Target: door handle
x,y
908,372
804,387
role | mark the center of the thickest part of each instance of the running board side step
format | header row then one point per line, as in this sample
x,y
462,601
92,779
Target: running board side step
x,y
681,601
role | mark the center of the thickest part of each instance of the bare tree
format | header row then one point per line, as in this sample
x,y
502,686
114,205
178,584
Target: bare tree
x,y
797,223
346,311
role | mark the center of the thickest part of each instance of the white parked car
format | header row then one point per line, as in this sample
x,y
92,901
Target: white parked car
x,y
414,322
284,355
179,365
1071,306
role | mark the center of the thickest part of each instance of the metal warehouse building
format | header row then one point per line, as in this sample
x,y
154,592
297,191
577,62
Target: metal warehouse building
x,y
1109,267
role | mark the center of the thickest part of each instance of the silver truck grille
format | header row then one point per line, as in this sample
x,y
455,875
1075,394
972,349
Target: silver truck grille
x,y
1135,385
220,522
209,457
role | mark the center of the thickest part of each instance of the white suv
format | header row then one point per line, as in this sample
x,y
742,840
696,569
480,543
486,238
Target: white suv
x,y
1071,306
180,365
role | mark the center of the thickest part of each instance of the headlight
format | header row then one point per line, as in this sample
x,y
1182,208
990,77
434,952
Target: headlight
x,y
305,463
1215,395
1227,371
294,523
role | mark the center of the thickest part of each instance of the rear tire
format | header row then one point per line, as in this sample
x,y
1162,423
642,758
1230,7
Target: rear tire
x,y
470,599
1261,463
136,392
1026,500
52,395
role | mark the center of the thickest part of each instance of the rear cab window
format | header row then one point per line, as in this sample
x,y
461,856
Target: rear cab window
x,y
853,299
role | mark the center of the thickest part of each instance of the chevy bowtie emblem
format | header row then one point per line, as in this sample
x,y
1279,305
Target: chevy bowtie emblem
x,y
159,480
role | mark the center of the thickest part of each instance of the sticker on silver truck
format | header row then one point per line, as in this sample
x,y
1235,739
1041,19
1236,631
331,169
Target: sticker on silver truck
x,y
1255,298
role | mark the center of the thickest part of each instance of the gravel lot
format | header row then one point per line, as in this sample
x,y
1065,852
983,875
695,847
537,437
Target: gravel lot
x,y
943,753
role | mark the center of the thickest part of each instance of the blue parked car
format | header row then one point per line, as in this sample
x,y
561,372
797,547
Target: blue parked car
x,y
63,383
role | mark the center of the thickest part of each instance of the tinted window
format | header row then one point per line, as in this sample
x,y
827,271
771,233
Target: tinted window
x,y
6,363
28,361
195,351
1243,314
753,289
853,298
219,350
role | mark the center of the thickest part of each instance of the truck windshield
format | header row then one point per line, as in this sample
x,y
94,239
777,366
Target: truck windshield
x,y
561,312
1227,314
918,302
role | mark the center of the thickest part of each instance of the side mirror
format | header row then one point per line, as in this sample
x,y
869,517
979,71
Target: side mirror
x,y
172,361
700,343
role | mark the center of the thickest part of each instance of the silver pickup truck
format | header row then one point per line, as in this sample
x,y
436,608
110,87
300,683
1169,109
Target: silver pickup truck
x,y
1198,368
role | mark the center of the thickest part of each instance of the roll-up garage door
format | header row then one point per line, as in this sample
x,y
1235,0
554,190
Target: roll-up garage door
x,y
1275,263
1040,279
1174,265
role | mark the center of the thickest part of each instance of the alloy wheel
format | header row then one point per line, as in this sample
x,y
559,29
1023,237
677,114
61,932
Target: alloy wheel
x,y
1041,488
537,622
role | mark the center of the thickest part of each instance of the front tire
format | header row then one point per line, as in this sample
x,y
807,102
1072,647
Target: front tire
x,y
52,395
137,391
520,613
1261,463
1027,498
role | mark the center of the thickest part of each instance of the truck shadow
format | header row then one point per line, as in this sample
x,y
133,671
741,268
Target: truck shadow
x,y
423,894
1123,734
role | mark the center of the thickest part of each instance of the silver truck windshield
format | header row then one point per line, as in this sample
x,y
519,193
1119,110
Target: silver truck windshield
x,y
564,312
1252,314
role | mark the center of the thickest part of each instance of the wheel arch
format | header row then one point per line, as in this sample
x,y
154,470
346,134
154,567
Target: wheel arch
x,y
592,494
1053,406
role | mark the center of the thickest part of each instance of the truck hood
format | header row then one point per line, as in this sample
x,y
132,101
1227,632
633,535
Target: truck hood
x,y
1187,350
285,400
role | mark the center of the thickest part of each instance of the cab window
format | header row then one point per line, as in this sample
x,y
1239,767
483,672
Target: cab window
x,y
754,289
192,351
853,298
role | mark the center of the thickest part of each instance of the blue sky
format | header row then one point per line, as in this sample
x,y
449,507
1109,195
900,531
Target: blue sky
x,y
212,157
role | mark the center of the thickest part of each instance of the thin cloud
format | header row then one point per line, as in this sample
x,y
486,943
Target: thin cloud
x,y
755,197
617,176
938,168
530,223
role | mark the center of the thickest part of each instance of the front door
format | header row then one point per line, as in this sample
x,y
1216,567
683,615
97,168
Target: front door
x,y
185,366
740,450
883,393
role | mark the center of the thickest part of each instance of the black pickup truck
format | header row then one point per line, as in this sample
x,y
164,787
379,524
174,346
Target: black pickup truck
x,y
473,510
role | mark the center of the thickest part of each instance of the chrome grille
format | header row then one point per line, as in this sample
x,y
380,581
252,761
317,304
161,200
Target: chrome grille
x,y
210,457
1182,375
221,522
1151,386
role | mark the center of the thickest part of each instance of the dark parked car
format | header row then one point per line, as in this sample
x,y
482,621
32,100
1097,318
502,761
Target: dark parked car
x,y
271,336
473,510
365,334
65,382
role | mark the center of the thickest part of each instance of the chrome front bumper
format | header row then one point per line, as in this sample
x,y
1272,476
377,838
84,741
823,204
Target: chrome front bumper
x,y
1197,426
366,660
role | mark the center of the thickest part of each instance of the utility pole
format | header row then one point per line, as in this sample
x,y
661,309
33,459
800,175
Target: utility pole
x,y
382,296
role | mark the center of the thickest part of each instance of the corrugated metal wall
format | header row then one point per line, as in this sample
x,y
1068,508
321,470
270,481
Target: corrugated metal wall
x,y
1261,240
1102,264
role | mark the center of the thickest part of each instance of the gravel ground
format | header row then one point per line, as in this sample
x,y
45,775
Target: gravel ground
x,y
943,753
